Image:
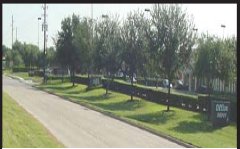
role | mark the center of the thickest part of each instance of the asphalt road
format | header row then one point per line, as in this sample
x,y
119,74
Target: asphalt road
x,y
78,126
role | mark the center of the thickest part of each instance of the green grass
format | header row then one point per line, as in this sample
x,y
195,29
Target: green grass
x,y
191,127
21,130
7,71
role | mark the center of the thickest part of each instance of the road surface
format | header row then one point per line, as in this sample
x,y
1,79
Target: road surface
x,y
77,126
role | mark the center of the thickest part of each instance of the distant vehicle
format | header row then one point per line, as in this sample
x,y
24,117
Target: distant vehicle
x,y
203,89
180,86
129,79
166,83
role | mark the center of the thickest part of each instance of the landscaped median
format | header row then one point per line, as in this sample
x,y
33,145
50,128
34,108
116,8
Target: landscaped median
x,y
22,130
189,127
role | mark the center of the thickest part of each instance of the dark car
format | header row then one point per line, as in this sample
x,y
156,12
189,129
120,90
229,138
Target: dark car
x,y
203,89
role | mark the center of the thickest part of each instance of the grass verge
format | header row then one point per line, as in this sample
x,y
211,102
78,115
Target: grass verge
x,y
190,127
21,130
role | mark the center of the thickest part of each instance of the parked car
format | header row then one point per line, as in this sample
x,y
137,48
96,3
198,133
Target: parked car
x,y
165,83
128,79
181,86
203,89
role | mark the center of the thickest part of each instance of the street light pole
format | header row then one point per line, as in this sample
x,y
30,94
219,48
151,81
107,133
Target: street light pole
x,y
223,26
38,30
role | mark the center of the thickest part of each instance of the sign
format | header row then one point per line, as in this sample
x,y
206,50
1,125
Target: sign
x,y
220,111
95,81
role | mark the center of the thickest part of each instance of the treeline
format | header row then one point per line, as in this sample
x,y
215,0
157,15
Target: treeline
x,y
28,56
158,43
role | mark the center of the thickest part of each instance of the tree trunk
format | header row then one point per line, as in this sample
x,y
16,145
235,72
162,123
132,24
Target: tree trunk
x,y
88,73
73,79
132,86
208,86
168,96
156,82
108,83
209,102
62,74
145,78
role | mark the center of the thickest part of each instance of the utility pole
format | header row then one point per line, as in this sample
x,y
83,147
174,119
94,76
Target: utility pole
x,y
44,43
12,31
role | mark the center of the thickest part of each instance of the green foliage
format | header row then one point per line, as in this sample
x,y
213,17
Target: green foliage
x,y
108,44
82,41
216,58
30,55
174,39
50,56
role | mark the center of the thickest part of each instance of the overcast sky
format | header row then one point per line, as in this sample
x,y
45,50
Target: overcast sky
x,y
207,18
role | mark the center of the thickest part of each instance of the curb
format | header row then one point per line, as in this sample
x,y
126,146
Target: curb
x,y
21,79
177,141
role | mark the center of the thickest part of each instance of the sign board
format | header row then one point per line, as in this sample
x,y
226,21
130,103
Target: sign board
x,y
220,111
95,81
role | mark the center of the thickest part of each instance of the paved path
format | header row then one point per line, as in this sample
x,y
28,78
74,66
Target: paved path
x,y
78,126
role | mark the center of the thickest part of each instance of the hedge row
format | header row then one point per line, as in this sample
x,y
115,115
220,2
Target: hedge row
x,y
200,104
149,82
20,69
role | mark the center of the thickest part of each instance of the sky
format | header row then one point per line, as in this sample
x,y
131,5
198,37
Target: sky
x,y
207,18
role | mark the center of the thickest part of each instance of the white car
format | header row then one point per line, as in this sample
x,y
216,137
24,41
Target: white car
x,y
166,82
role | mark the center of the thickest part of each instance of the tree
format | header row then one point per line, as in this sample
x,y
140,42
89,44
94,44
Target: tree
x,y
174,38
227,59
68,49
7,53
16,58
133,43
108,33
207,59
215,58
30,55
18,46
4,50
50,56
82,41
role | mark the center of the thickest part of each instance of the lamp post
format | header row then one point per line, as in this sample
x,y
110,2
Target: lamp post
x,y
195,29
147,10
223,26
104,16
39,18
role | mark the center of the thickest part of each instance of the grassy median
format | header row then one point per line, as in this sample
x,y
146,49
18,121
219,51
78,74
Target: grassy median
x,y
190,127
21,130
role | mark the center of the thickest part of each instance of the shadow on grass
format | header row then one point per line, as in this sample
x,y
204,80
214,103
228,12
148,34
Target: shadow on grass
x,y
200,116
93,99
76,91
60,88
160,117
125,105
194,127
